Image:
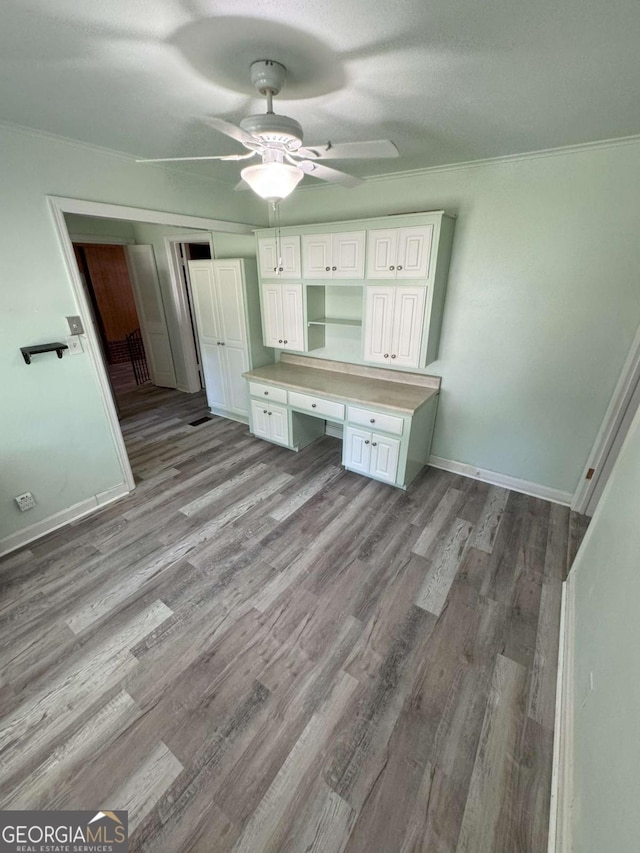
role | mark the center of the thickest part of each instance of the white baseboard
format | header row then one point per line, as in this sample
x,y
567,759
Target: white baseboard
x,y
524,486
562,773
41,528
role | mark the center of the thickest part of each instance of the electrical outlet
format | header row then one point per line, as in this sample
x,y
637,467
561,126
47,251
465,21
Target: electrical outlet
x,y
75,345
25,501
75,325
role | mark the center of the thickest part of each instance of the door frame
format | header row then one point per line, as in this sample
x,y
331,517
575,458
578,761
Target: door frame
x,y
58,206
623,392
180,303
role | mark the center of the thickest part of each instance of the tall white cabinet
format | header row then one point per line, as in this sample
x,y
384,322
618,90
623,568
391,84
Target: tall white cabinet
x,y
227,314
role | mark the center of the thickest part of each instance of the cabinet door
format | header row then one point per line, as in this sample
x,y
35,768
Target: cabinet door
x,y
278,424
203,288
408,323
384,458
316,256
293,318
356,450
272,320
229,291
414,251
382,249
279,259
347,255
378,324
260,420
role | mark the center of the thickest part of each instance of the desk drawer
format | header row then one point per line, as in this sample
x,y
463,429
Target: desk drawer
x,y
317,405
269,392
375,420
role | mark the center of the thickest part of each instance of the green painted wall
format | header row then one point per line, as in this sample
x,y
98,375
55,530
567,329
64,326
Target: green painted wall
x,y
96,226
607,638
54,436
542,302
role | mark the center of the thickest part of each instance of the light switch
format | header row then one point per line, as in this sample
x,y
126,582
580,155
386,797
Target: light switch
x,y
75,325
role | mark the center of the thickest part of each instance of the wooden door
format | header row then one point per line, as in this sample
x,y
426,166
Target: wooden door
x,y
153,324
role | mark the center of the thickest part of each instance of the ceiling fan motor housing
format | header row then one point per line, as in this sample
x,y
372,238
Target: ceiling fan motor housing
x,y
274,130
268,76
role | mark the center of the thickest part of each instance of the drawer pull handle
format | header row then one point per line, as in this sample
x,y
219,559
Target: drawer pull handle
x,y
386,355
366,441
399,266
372,421
374,444
266,393
393,356
313,405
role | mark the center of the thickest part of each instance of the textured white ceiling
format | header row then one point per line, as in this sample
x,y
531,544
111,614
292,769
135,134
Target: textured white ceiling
x,y
447,80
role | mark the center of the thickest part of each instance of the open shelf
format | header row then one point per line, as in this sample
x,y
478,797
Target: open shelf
x,y
335,321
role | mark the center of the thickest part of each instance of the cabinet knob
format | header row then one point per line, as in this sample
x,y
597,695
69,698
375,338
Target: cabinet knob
x,y
399,266
334,268
280,341
275,269
327,269
372,421
386,355
366,441
266,393
285,342
218,343
269,413
393,356
391,268
265,412
313,405
374,444
280,269
222,343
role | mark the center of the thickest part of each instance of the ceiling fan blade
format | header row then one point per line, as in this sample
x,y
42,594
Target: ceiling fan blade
x,y
231,130
377,148
324,173
213,157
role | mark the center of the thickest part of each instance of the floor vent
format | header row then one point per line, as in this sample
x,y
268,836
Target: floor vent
x,y
200,421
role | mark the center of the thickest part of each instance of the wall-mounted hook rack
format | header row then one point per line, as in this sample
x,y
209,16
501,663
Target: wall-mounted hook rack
x,y
56,347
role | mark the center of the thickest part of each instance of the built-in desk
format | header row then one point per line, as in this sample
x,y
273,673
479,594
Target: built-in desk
x,y
387,416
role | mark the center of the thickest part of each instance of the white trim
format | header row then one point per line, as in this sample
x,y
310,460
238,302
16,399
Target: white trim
x,y
179,301
142,214
625,387
526,487
59,519
99,241
562,772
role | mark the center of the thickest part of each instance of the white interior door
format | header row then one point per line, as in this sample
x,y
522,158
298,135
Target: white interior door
x,y
153,324
209,331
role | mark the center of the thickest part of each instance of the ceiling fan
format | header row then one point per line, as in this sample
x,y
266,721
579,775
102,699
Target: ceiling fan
x,y
277,140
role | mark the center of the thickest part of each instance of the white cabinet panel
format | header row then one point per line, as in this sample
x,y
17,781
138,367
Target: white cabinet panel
x,y
269,392
378,324
408,320
236,362
316,256
347,259
385,453
279,259
356,450
382,247
230,296
293,317
414,251
260,420
269,422
279,424
272,320
213,372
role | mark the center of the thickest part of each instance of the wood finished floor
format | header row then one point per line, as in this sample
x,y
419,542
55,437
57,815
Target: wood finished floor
x,y
258,651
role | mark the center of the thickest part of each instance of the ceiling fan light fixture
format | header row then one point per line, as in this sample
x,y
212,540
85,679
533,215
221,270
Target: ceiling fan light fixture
x,y
272,181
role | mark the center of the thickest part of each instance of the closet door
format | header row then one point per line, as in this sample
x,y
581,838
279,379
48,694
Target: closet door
x,y
203,287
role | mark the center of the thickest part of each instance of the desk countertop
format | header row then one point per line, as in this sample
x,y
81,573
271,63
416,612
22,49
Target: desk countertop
x,y
349,383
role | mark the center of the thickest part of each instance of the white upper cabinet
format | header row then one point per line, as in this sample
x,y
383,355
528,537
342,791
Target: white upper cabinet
x,y
393,324
279,258
399,252
283,316
326,256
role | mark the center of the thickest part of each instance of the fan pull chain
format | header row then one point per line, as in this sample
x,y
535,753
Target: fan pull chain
x,y
276,222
